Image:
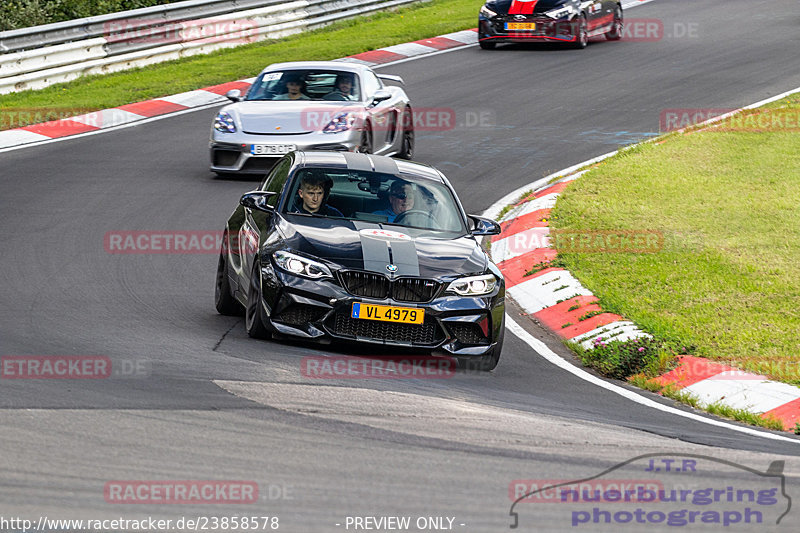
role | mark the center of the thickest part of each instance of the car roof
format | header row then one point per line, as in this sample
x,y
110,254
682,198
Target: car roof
x,y
328,65
369,163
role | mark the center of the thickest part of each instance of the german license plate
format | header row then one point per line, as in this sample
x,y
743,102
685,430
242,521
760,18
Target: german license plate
x,y
520,25
387,313
272,149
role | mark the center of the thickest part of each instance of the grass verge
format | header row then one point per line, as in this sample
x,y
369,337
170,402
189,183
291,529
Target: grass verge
x,y
338,40
727,202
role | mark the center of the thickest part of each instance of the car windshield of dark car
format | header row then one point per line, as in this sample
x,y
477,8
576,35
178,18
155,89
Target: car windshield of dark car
x,y
306,84
374,199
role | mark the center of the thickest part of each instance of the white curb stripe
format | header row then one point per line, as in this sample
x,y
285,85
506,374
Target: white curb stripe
x,y
10,138
464,36
541,292
409,49
548,201
194,98
107,118
758,396
520,244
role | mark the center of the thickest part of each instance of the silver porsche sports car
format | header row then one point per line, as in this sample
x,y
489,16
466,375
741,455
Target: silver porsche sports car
x,y
311,105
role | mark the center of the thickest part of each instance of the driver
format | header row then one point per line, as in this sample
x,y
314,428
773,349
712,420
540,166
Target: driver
x,y
401,199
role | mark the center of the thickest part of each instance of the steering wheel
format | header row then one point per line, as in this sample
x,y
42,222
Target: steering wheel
x,y
425,219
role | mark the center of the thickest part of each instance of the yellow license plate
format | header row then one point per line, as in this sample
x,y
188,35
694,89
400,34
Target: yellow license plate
x,y
520,25
387,313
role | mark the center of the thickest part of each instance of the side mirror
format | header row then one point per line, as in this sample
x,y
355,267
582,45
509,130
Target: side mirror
x,y
391,77
484,226
234,95
258,200
381,95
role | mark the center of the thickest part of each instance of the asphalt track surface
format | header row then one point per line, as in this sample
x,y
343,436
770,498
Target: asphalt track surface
x,y
215,404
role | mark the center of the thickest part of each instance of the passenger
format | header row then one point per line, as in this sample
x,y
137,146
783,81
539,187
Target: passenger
x,y
401,199
343,89
313,191
295,85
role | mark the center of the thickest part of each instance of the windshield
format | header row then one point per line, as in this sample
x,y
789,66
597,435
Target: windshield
x,y
384,199
333,85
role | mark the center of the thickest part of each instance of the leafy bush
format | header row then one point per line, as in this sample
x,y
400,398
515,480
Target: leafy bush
x,y
16,14
620,359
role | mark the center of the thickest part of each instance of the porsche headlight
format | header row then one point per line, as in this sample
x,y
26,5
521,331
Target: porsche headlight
x,y
224,123
340,122
473,285
561,12
488,13
301,266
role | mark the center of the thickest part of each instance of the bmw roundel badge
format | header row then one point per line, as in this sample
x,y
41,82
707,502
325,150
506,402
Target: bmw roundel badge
x,y
391,268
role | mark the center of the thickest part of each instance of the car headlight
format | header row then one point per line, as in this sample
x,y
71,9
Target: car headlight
x,y
488,13
561,12
340,122
301,266
224,123
473,285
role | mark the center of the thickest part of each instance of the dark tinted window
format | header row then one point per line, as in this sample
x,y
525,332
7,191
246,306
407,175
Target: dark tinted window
x,y
313,85
276,179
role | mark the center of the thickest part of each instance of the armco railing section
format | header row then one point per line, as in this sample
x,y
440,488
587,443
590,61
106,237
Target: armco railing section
x,y
33,58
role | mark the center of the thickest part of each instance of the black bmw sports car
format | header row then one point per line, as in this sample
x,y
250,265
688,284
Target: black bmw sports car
x,y
566,21
357,247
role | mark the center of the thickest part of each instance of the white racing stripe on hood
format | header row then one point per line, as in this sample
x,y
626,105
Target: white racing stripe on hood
x,y
381,248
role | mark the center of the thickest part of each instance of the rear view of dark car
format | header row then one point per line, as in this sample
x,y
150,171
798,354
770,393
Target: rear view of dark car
x,y
355,269
571,22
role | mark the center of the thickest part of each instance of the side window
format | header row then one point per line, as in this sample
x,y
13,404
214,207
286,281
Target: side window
x,y
371,84
276,180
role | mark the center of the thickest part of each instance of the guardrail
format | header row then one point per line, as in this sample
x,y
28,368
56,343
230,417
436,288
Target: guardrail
x,y
33,58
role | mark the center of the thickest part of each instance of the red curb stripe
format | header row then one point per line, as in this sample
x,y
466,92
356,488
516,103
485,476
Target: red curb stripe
x,y
378,56
514,269
525,222
554,189
440,43
222,88
788,413
690,371
59,128
588,325
151,108
554,317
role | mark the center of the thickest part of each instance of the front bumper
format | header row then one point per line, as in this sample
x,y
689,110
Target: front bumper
x,y
546,30
231,152
320,310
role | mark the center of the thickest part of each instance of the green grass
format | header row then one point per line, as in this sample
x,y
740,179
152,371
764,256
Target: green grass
x,y
726,281
338,40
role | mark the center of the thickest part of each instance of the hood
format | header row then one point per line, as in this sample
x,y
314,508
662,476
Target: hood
x,y
282,117
371,247
524,7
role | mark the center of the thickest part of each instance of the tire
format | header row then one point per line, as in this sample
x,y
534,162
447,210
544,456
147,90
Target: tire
x,y
407,141
488,361
616,31
224,301
582,40
365,144
487,45
254,321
